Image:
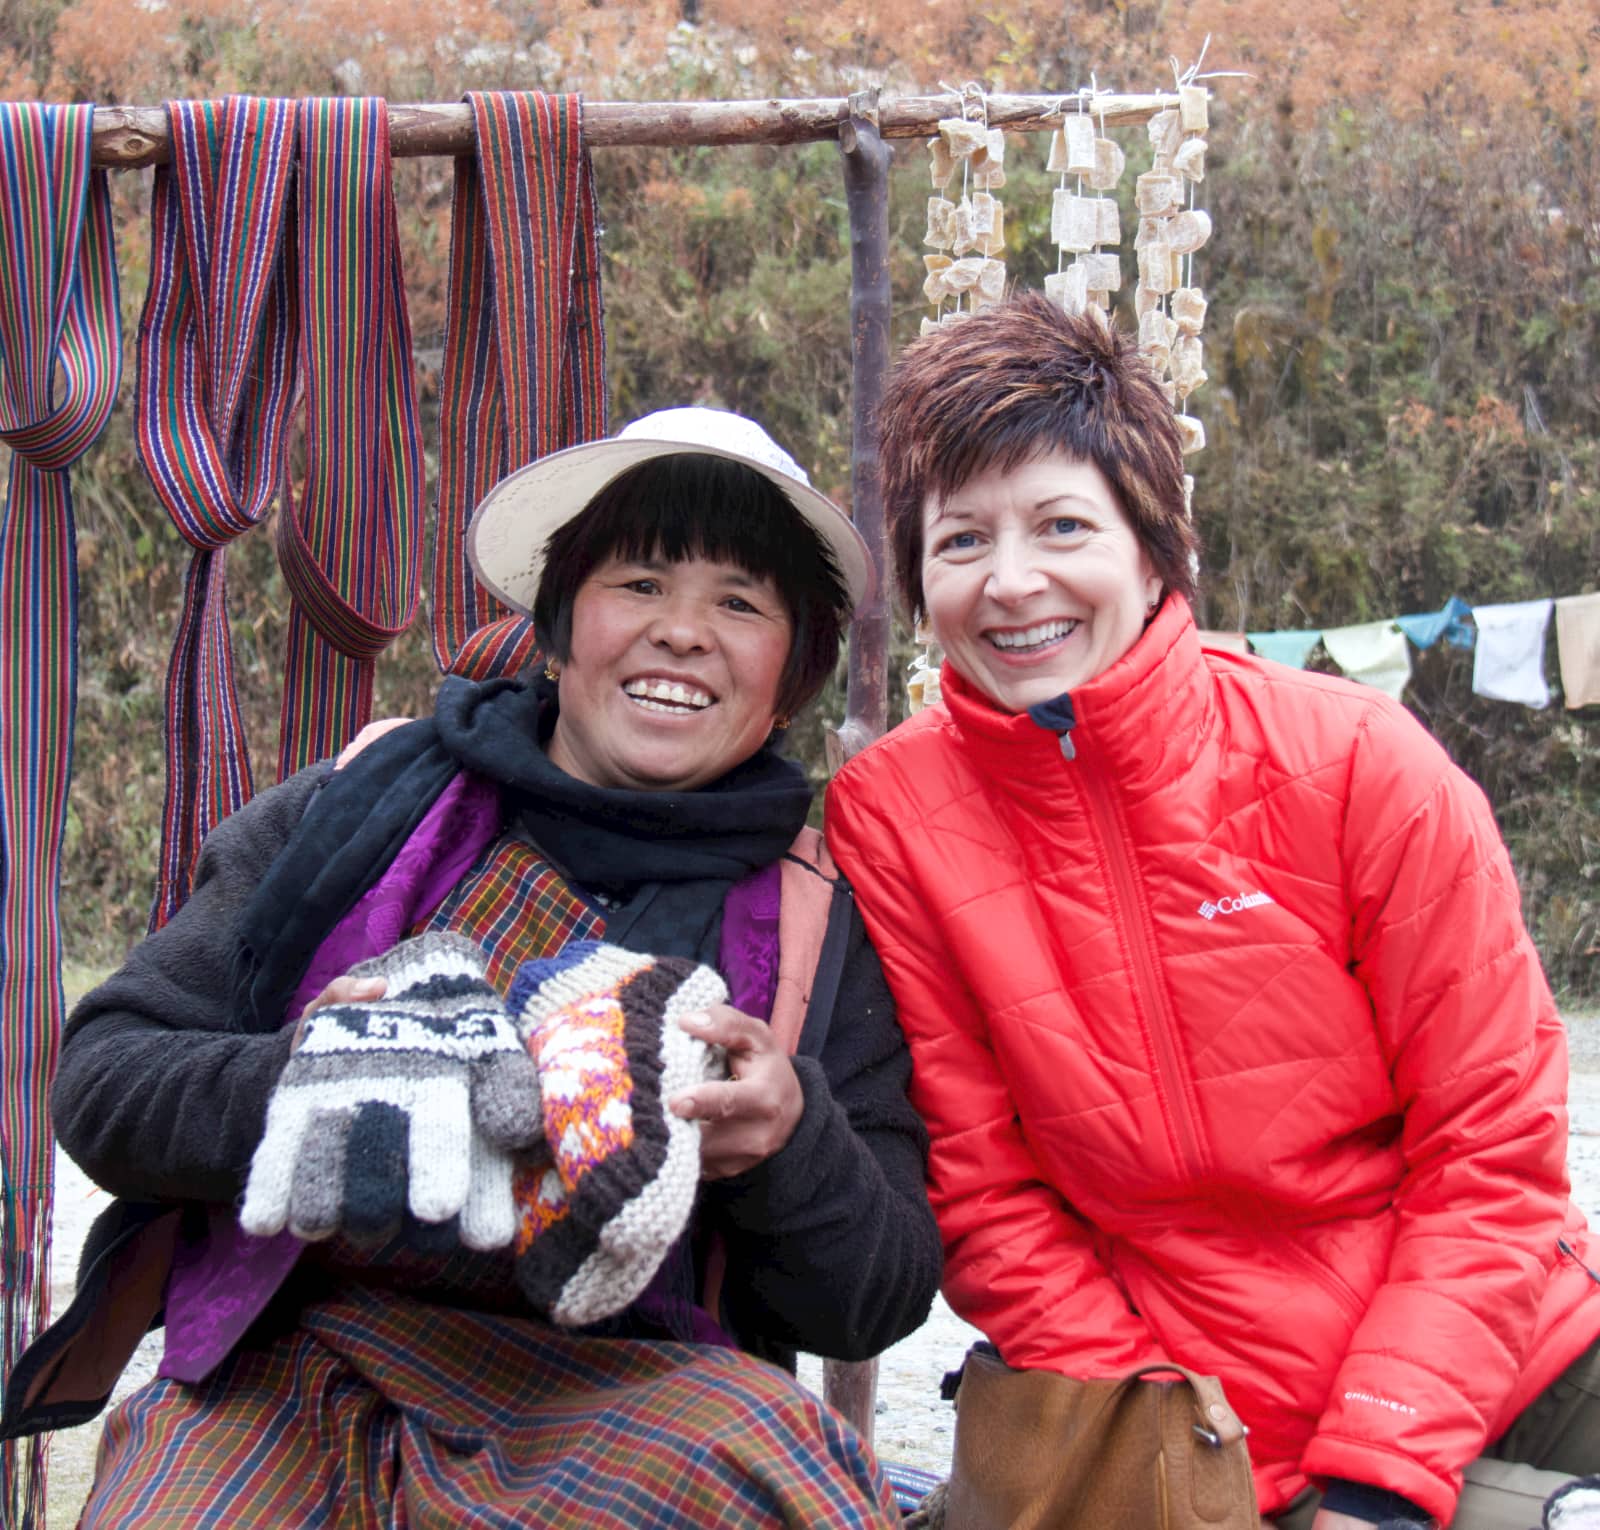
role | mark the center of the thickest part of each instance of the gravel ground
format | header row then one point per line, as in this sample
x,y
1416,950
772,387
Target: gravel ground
x,y
913,1424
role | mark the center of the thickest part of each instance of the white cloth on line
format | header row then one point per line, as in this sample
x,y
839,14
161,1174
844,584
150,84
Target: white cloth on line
x,y
1508,663
1375,653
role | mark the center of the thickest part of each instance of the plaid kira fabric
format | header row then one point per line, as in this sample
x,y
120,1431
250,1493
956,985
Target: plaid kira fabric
x,y
380,1410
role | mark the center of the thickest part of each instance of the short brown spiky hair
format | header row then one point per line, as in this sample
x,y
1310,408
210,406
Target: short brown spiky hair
x,y
1011,384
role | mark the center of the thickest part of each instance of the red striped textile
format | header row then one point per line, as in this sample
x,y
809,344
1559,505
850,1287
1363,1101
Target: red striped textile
x,y
516,906
524,362
350,542
380,1410
217,355
60,364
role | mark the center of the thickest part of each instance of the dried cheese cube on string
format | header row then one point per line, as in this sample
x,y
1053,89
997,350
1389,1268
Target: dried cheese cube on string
x,y
983,206
1149,231
1057,163
1074,221
1155,266
1104,271
1189,309
1191,438
963,236
933,284
1187,232
989,176
1188,370
1155,193
1108,227
1165,134
961,137
962,275
1188,496
1109,163
928,326
1192,110
941,223
1190,160
995,240
1079,134
1145,301
940,164
992,282
1156,331
1069,288
1169,391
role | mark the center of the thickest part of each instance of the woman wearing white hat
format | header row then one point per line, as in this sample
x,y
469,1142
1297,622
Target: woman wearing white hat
x,y
601,869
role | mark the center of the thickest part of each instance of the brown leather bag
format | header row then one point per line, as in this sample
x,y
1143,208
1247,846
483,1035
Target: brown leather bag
x,y
1038,1451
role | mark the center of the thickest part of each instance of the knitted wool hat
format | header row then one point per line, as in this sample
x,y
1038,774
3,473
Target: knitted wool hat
x,y
613,1188
1574,1506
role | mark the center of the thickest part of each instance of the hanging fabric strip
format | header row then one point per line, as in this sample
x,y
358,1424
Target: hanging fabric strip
x,y
1292,647
350,547
1578,647
217,345
524,366
1452,624
1509,662
1374,653
60,364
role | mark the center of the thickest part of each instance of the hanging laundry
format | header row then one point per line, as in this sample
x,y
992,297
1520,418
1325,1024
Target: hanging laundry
x,y
1225,642
350,540
218,346
1578,646
1509,663
1374,653
1451,624
1292,648
524,367
60,363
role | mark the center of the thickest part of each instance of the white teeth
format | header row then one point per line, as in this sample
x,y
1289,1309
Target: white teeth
x,y
1032,637
674,693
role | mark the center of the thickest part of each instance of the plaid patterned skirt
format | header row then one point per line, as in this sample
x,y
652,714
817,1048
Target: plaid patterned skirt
x,y
382,1411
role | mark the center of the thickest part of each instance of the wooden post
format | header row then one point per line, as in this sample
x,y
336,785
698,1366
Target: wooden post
x,y
851,1388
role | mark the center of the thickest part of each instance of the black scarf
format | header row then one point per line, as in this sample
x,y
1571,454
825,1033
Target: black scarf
x,y
671,855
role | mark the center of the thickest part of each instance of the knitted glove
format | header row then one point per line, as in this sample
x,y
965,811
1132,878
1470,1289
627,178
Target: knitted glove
x,y
1574,1506
426,1089
614,1187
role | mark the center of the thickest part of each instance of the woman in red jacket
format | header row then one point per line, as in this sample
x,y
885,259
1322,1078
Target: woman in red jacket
x,y
1232,1043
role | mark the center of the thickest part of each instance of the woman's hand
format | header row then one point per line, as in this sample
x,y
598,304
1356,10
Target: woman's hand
x,y
751,1115
342,990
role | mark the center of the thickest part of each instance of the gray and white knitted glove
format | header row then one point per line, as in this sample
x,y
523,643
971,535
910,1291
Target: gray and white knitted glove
x,y
415,1099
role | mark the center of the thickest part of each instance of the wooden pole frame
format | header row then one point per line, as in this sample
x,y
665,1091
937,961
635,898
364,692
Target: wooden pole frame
x,y
129,137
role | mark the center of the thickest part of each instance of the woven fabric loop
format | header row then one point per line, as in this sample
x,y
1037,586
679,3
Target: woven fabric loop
x,y
218,342
60,365
350,541
524,365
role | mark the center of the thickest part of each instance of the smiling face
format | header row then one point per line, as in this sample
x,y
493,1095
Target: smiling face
x,y
673,673
1033,578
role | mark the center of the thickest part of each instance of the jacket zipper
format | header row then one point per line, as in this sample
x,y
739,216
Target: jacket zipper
x,y
1191,1155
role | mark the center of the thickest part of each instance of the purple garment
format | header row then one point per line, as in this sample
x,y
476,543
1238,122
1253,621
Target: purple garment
x,y
748,954
220,1285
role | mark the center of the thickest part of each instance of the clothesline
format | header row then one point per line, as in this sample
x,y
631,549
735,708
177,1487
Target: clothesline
x,y
126,137
1508,643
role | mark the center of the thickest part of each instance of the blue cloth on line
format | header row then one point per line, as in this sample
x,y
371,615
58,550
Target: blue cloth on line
x,y
1451,624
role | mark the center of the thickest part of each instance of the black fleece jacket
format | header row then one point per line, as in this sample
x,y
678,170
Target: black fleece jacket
x,y
832,1247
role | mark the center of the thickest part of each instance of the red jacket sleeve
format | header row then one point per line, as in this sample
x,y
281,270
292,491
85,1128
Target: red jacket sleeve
x,y
1478,1058
1018,1264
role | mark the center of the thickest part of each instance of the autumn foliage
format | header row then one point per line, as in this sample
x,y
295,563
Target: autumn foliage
x,y
1404,337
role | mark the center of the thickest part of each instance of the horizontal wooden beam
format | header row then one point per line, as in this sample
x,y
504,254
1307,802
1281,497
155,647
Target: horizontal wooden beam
x,y
126,137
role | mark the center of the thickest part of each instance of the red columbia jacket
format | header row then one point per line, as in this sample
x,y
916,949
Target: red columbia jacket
x,y
1235,1052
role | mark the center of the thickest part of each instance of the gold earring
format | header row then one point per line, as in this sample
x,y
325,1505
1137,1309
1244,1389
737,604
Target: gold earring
x,y
780,723
552,669
1150,610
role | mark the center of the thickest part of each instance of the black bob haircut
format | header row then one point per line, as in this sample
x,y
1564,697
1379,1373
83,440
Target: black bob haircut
x,y
690,505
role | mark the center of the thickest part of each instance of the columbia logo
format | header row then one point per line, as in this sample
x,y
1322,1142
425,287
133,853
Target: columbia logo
x,y
1210,910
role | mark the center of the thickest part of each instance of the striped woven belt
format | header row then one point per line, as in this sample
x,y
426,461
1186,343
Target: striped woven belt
x,y
217,358
60,364
524,361
350,543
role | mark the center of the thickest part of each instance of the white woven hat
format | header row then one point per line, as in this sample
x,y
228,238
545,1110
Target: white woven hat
x,y
507,537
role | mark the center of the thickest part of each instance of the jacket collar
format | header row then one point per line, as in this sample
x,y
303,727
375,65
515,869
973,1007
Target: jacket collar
x,y
1143,719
